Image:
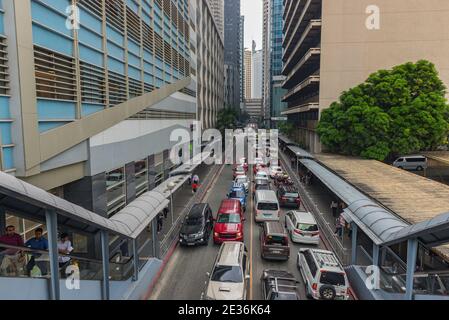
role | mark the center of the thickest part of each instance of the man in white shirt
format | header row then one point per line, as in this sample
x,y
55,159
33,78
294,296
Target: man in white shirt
x,y
64,247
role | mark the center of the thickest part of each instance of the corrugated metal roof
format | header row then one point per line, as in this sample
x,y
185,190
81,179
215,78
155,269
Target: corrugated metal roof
x,y
377,222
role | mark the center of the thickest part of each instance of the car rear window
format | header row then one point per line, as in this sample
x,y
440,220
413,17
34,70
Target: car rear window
x,y
292,194
277,240
232,274
307,227
332,278
267,206
237,194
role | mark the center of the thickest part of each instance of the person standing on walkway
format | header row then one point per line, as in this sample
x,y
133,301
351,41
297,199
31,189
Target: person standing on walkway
x,y
334,208
13,259
196,179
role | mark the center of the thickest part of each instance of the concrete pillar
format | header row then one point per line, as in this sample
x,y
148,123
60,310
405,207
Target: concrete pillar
x,y
412,252
354,244
135,261
375,255
105,264
2,220
156,246
52,230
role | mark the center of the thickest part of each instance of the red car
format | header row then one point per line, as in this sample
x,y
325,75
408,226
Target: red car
x,y
258,167
229,222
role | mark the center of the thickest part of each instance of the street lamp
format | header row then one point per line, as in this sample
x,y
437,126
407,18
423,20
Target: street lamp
x,y
298,154
170,187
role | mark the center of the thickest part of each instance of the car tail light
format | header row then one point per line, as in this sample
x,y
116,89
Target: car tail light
x,y
239,234
314,286
216,234
298,231
298,200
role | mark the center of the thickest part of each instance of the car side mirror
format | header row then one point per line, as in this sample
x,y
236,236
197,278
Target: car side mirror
x,y
208,274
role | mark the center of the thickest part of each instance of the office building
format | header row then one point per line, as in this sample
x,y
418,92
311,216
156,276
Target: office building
x,y
217,9
272,48
256,73
241,63
331,46
254,109
248,66
232,46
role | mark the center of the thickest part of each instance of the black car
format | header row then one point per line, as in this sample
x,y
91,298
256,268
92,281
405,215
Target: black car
x,y
279,285
197,226
288,196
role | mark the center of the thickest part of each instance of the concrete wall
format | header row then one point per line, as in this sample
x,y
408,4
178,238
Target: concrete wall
x,y
410,30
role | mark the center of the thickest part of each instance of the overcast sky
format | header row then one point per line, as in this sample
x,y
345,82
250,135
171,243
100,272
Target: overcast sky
x,y
253,12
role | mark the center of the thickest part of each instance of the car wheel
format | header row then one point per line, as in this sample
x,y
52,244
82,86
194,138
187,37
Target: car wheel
x,y
327,293
420,168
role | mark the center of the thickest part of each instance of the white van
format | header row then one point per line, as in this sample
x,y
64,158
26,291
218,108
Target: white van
x,y
418,163
302,227
230,274
266,206
323,275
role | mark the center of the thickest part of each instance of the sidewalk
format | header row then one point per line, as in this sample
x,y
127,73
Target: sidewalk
x,y
317,199
183,199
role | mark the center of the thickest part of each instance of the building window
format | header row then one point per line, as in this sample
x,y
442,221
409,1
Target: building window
x,y
115,190
141,169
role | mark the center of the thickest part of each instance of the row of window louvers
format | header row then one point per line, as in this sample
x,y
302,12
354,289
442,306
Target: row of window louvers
x,y
4,75
162,114
56,79
139,31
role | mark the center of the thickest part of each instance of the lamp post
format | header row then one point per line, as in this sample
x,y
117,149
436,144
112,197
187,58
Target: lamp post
x,y
297,162
170,187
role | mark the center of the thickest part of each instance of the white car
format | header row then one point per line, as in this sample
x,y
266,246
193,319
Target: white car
x,y
259,161
323,275
230,275
302,227
261,175
275,170
243,180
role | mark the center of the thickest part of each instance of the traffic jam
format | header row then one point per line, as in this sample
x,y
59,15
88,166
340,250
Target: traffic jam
x,y
292,263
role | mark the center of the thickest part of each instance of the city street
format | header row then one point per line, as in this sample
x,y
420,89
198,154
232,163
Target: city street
x,y
184,277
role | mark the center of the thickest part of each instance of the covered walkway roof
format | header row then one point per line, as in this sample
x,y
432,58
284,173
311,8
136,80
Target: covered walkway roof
x,y
410,200
377,222
191,165
31,202
440,156
299,152
287,140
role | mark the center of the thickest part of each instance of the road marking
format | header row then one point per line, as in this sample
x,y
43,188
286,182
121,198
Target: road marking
x,y
251,241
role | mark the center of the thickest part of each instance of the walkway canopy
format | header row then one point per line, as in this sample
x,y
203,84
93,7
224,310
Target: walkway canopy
x,y
377,222
189,167
300,153
28,201
287,140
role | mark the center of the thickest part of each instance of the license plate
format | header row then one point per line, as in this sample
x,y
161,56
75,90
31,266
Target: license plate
x,y
267,215
276,251
190,244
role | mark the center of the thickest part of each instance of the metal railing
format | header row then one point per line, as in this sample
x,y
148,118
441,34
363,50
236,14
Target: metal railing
x,y
26,262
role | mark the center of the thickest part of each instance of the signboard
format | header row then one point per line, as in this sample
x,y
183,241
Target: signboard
x,y
279,119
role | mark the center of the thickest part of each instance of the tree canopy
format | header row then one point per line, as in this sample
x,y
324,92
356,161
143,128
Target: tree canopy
x,y
397,111
227,119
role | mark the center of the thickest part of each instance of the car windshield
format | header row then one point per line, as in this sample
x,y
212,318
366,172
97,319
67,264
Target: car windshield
x,y
267,206
237,194
332,278
193,221
228,218
232,274
307,227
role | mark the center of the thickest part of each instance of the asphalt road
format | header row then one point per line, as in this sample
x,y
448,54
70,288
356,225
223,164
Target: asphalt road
x,y
184,277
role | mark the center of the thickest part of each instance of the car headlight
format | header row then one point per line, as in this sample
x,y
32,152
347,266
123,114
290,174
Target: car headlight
x,y
199,234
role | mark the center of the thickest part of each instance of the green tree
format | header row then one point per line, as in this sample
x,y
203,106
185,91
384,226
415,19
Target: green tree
x,y
286,128
227,119
397,111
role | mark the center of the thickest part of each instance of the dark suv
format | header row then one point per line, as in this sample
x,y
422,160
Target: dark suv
x,y
279,285
288,196
197,226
